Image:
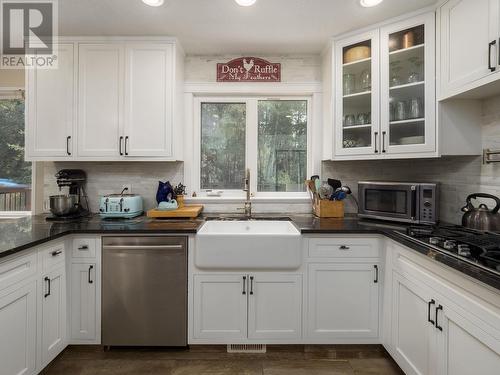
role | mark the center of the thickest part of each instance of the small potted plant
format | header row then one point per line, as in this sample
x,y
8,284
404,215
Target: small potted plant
x,y
180,191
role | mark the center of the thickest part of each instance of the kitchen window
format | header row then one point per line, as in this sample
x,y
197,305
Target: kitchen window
x,y
269,136
15,173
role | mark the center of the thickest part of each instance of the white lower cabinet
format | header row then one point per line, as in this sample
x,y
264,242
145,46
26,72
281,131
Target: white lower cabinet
x,y
220,307
433,335
343,301
18,329
236,307
83,320
274,306
53,314
412,333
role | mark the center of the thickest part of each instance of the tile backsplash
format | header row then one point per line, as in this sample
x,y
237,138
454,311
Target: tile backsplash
x,y
109,177
459,176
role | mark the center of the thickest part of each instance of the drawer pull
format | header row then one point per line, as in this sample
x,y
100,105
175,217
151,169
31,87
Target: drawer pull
x,y
429,304
83,247
436,317
251,285
56,253
244,284
344,247
376,274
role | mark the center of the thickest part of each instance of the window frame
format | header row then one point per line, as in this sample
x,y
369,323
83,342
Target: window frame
x,y
251,144
11,93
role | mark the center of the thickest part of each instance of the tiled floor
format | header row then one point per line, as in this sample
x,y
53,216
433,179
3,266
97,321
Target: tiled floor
x,y
213,360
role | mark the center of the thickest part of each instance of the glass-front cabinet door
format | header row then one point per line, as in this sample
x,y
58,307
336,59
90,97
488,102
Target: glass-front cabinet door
x,y
408,86
357,95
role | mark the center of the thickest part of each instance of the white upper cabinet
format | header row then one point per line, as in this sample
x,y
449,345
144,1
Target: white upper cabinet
x,y
469,45
50,108
100,99
357,95
385,92
148,100
111,99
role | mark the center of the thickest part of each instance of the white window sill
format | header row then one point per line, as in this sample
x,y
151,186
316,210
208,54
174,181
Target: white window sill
x,y
225,200
14,214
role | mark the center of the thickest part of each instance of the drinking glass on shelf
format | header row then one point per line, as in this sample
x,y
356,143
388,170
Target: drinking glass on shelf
x,y
415,75
395,79
400,111
349,120
366,80
349,83
362,119
415,108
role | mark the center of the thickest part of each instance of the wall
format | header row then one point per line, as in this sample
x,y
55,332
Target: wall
x,y
459,176
107,178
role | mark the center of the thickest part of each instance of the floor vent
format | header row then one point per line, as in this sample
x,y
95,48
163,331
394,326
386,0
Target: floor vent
x,y
246,348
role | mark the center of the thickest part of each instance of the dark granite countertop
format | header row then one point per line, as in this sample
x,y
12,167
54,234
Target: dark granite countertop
x,y
19,234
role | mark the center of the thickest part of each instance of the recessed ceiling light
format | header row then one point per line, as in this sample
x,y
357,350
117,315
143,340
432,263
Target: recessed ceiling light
x,y
153,3
245,3
369,3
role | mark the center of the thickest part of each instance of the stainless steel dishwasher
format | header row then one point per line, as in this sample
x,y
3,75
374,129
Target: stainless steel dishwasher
x,y
144,291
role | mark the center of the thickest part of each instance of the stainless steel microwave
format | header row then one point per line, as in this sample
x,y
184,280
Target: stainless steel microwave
x,y
399,201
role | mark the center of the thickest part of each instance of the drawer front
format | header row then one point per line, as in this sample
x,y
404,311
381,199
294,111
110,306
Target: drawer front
x,y
52,256
344,247
84,247
17,269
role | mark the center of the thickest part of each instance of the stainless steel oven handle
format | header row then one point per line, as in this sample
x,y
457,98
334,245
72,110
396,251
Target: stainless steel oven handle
x,y
143,247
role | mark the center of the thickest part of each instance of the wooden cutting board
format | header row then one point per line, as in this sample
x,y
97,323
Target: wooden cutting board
x,y
188,211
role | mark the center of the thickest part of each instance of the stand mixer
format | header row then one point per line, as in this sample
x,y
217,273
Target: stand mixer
x,y
69,207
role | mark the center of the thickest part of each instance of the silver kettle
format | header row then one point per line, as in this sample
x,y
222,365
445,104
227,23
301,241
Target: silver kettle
x,y
481,217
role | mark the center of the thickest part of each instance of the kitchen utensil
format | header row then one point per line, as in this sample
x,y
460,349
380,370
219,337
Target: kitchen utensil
x,y
62,205
356,53
481,217
317,184
325,191
338,196
349,84
335,184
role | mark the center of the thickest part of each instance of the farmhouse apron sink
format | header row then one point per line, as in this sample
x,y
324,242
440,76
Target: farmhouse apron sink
x,y
261,244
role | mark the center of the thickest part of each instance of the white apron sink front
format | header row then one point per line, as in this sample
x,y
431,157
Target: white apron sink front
x,y
261,244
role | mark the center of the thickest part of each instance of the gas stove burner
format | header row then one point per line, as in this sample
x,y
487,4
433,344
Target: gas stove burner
x,y
449,244
479,248
435,240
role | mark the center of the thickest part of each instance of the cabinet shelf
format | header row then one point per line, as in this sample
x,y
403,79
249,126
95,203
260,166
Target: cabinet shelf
x,y
353,127
407,121
368,59
357,94
409,49
407,85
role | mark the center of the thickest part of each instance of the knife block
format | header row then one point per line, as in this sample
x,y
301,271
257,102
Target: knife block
x,y
326,208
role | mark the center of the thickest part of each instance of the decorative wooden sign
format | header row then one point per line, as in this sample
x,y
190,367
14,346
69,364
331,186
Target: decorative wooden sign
x,y
248,69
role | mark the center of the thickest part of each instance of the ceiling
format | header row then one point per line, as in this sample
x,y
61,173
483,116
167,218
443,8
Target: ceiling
x,y
222,27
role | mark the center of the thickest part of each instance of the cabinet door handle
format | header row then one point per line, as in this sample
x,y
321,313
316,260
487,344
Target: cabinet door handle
x,y
126,145
383,141
47,280
90,269
83,247
491,44
344,247
376,274
251,285
120,146
375,141
68,138
244,285
429,304
56,253
436,317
